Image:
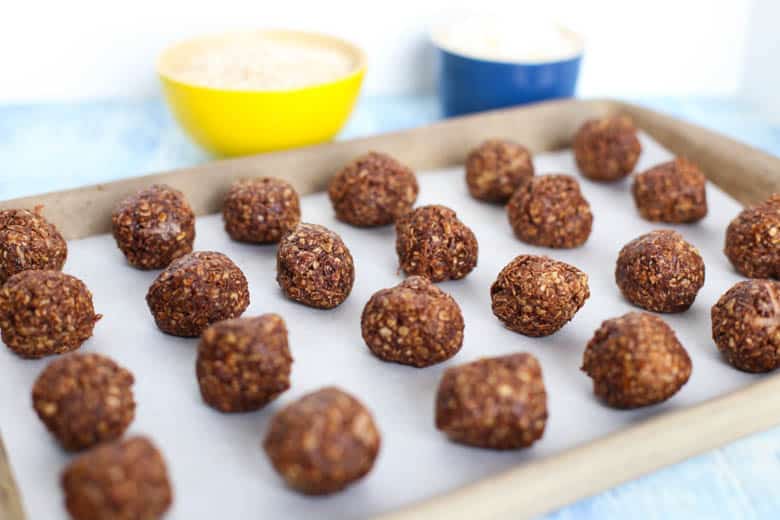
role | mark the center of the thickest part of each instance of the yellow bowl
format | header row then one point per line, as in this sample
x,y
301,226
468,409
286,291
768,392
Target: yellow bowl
x,y
240,122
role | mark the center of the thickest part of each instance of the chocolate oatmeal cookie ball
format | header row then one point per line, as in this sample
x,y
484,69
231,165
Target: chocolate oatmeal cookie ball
x,y
660,271
636,360
45,312
746,325
414,323
431,241
84,399
314,267
550,211
373,190
154,226
323,442
195,291
498,403
29,241
496,168
261,210
244,364
673,192
753,240
120,480
607,149
536,295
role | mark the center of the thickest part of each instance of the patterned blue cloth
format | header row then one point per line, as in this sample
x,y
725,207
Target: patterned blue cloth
x,y
50,147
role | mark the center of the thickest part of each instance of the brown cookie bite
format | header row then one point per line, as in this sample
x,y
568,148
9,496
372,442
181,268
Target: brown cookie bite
x,y
673,192
84,399
260,210
496,168
414,323
431,241
607,149
636,360
537,295
314,267
196,290
660,271
753,240
29,241
746,325
550,211
244,363
154,226
45,312
373,190
323,442
498,403
120,480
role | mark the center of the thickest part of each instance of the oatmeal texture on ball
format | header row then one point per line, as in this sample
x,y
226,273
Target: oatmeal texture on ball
x,y
753,240
45,312
243,364
431,241
537,295
414,323
261,210
636,360
195,291
660,271
84,399
746,325
673,192
323,442
498,403
29,241
373,190
496,168
550,211
314,267
607,149
154,226
120,480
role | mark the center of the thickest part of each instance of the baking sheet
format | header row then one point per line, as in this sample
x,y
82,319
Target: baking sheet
x,y
215,460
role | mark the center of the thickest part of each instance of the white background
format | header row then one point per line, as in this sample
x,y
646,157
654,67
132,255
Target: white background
x,y
83,49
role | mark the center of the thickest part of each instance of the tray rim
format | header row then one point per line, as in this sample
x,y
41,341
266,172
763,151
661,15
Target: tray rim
x,y
746,173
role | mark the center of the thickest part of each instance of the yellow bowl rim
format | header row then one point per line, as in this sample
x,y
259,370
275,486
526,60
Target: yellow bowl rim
x,y
320,38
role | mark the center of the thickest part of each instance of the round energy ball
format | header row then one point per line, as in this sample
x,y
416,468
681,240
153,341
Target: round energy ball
x,y
323,442
607,149
154,226
29,241
636,360
673,192
414,323
753,240
314,267
550,211
432,242
261,210
745,325
536,295
120,480
496,168
244,364
660,271
373,190
84,399
195,291
45,312
498,403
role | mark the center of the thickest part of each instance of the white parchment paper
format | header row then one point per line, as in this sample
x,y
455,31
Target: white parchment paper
x,y
216,464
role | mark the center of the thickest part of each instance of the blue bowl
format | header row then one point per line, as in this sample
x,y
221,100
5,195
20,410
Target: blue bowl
x,y
469,84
